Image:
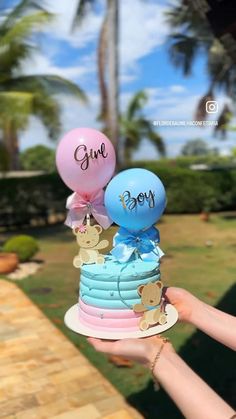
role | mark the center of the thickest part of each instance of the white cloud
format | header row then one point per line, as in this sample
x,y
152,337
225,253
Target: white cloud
x,y
177,88
75,115
142,30
64,12
41,64
61,26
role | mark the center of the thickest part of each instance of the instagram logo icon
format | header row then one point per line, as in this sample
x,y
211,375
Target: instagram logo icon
x,y
211,106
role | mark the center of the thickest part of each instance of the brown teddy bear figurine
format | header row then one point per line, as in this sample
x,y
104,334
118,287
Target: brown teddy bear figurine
x,y
88,240
151,296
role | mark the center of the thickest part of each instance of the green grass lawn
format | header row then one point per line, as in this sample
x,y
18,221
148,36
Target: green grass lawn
x,y
207,271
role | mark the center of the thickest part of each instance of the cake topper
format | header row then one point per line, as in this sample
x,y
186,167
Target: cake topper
x,y
86,161
83,156
88,237
130,202
135,199
151,305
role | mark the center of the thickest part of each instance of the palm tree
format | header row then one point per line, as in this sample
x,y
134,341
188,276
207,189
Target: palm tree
x,y
21,95
108,63
135,127
191,35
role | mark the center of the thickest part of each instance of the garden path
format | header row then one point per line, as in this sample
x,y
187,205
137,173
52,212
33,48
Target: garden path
x,y
42,374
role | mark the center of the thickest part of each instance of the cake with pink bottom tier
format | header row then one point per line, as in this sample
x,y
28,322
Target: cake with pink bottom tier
x,y
108,293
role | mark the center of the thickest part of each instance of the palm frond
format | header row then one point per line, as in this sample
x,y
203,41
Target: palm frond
x,y
183,50
157,141
14,41
178,15
190,33
223,122
144,125
24,27
15,106
147,130
23,7
11,57
44,105
136,104
48,111
201,110
82,10
49,83
135,127
220,66
184,19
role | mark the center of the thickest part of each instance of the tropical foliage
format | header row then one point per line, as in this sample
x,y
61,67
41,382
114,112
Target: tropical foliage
x,y
135,127
25,95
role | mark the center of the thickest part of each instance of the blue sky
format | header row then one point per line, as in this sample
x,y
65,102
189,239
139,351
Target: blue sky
x,y
144,64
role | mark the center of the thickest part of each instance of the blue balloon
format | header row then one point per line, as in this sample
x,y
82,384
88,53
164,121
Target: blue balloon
x,y
135,199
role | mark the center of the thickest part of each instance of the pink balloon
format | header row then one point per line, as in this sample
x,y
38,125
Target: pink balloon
x,y
85,160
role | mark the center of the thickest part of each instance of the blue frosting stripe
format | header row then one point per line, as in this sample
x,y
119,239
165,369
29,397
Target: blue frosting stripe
x,y
105,294
113,285
114,304
111,269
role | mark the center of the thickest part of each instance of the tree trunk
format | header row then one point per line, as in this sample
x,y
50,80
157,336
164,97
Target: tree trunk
x,y
102,60
127,152
113,68
11,143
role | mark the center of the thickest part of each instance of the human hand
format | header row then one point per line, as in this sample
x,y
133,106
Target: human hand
x,y
139,350
185,303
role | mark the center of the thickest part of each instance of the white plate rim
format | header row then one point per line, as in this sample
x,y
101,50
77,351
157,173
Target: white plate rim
x,y
72,321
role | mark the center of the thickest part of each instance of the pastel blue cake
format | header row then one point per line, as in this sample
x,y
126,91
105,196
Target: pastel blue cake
x,y
108,292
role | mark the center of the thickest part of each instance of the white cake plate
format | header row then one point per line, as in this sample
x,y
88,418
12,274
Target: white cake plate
x,y
72,321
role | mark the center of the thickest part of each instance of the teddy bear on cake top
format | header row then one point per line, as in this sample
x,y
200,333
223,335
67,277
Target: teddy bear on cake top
x,y
87,237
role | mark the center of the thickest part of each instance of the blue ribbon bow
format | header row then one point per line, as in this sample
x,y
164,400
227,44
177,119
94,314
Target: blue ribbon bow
x,y
141,243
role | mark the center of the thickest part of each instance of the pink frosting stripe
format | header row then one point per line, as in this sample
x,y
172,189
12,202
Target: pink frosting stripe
x,y
107,313
108,327
101,321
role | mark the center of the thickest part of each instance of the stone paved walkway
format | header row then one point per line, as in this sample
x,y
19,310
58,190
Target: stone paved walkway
x,y
42,374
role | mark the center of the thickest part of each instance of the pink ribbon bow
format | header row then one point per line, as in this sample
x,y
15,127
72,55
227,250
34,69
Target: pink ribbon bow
x,y
79,207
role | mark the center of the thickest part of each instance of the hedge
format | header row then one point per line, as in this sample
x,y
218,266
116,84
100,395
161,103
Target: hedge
x,y
25,199
191,191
